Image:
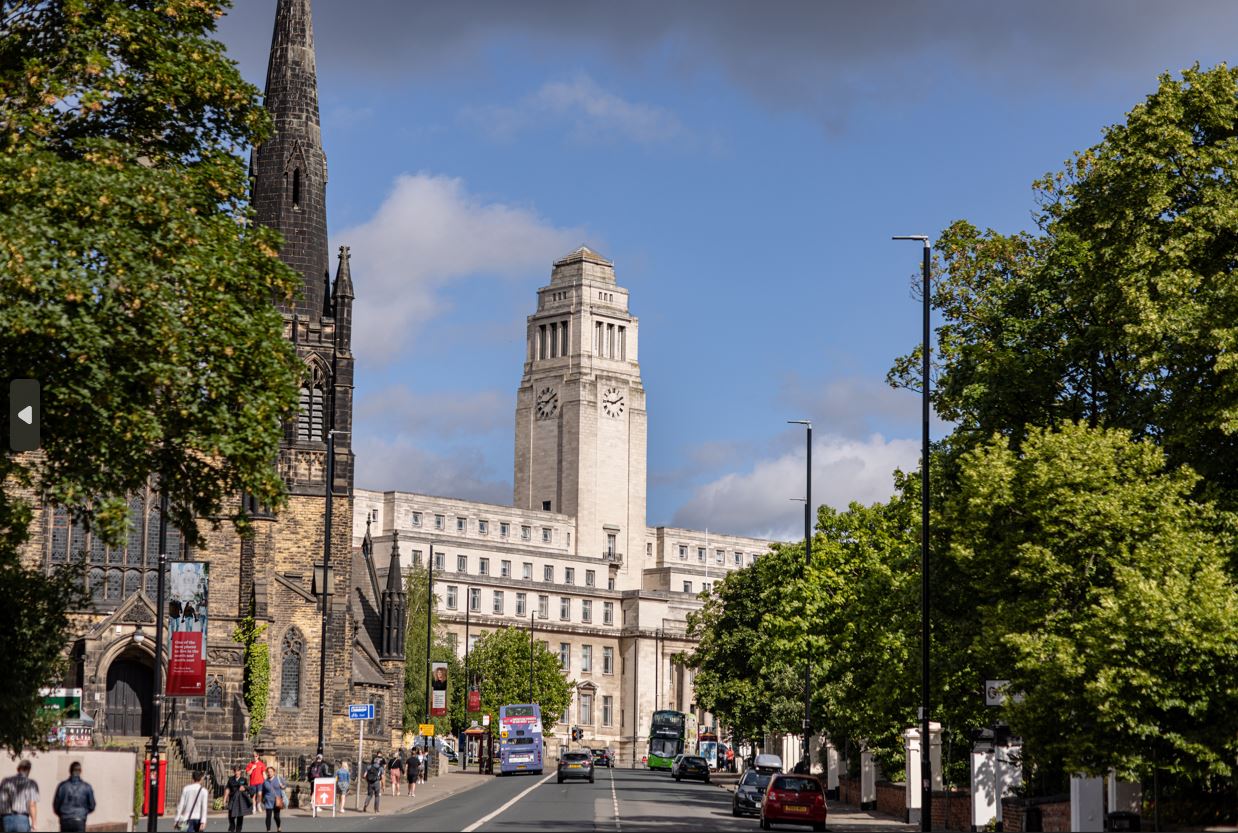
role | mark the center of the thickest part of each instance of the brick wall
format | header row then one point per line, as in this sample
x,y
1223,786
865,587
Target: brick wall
x,y
849,790
1054,813
892,799
951,810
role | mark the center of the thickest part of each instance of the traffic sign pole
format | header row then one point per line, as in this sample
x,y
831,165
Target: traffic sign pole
x,y
360,712
358,778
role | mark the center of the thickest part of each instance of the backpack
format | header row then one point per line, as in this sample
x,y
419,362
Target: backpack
x,y
374,773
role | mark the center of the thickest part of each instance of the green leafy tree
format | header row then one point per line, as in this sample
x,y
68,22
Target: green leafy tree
x,y
500,663
417,662
135,289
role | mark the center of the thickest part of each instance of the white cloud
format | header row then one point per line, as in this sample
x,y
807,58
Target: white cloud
x,y
430,232
406,464
759,501
399,410
593,114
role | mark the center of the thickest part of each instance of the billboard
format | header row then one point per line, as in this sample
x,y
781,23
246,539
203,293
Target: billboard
x,y
438,689
187,622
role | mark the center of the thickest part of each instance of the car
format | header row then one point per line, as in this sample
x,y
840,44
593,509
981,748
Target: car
x,y
601,757
450,754
794,799
576,765
767,763
748,792
690,766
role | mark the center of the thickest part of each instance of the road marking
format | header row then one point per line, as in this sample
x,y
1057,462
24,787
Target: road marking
x,y
614,798
485,819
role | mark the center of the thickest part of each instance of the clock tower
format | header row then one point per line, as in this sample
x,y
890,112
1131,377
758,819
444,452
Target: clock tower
x,y
580,413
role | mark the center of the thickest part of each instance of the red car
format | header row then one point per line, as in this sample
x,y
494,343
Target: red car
x,y
794,799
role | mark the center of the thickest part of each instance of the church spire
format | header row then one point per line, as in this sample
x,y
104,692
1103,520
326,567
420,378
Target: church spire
x,y
290,168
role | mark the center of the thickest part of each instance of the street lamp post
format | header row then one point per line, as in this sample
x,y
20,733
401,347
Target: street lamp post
x,y
429,623
153,785
807,756
926,775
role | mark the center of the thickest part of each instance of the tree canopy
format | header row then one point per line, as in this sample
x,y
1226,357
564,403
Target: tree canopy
x,y
500,664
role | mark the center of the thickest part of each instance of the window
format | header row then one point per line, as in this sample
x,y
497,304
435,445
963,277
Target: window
x,y
505,569
545,535
296,187
608,660
504,529
438,521
590,578
569,575
214,695
554,339
416,558
649,549
461,524
548,573
586,708
416,519
687,587
700,554
545,506
608,613
565,655
483,566
610,583
586,610
739,558
706,586
565,608
610,545
563,351
520,603
720,556
683,552
483,527
452,596
525,533
290,669
608,710
475,599
311,424
473,641
526,571
543,607
586,658
462,563
440,561
498,603
623,343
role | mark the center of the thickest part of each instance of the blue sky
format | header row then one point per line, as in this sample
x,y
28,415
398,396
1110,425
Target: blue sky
x,y
744,166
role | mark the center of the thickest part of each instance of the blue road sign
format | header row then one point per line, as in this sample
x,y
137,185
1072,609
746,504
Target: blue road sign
x,y
361,711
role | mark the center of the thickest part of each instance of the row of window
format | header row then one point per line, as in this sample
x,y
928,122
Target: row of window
x,y
584,710
498,605
610,341
552,340
719,556
586,658
706,586
526,570
483,527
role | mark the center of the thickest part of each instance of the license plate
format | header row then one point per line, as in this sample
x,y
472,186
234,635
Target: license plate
x,y
520,767
573,766
795,808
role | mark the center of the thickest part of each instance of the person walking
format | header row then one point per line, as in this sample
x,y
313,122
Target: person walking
x,y
343,780
237,799
256,769
373,783
274,796
425,766
414,772
74,800
192,807
396,768
19,801
318,769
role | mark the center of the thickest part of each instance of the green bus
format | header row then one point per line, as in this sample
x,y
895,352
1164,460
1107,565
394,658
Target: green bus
x,y
671,733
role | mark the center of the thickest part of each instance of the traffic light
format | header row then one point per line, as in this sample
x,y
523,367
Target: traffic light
x,y
577,733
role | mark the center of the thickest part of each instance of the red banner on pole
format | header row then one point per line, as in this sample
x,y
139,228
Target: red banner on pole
x,y
474,701
187,621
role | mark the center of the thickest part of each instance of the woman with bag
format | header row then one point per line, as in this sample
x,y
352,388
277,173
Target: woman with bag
x,y
274,797
191,809
237,800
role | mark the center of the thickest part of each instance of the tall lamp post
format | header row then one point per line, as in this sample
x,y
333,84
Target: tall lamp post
x,y
154,787
807,757
926,775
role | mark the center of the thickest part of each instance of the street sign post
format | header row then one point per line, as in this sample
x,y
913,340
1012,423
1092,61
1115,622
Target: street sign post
x,y
426,729
361,712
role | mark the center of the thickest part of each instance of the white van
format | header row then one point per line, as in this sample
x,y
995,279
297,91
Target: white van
x,y
767,763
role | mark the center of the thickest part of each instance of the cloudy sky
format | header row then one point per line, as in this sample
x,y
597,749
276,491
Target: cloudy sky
x,y
743,164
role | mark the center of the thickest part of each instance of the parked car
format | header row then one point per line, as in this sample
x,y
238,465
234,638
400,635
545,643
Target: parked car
x,y
767,763
690,766
601,757
450,754
576,765
748,792
794,799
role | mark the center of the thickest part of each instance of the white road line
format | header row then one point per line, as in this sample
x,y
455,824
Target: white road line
x,y
614,797
485,819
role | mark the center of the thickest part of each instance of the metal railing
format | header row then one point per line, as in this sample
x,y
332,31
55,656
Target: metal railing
x,y
612,557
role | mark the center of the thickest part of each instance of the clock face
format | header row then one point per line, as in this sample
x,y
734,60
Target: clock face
x,y
612,402
547,403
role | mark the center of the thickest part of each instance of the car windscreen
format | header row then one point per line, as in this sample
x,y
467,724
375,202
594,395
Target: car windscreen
x,y
575,756
798,785
688,759
760,780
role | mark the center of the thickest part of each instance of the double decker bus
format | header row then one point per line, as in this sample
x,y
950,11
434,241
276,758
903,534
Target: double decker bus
x,y
671,733
520,739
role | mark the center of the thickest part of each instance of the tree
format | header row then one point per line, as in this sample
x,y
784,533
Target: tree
x,y
136,289
500,663
417,662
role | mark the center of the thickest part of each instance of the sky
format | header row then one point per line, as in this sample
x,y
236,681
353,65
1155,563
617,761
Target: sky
x,y
744,166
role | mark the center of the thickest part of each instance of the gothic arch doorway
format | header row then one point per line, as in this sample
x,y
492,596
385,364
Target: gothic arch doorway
x,y
129,701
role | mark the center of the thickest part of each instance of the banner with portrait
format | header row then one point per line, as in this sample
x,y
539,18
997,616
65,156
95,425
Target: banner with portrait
x,y
438,689
186,624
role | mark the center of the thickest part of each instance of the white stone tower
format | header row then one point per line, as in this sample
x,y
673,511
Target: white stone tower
x,y
580,414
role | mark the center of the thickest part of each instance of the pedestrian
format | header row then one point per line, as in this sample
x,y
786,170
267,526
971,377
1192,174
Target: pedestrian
x,y
414,772
396,768
343,780
425,766
191,809
317,769
237,799
74,800
274,796
256,769
373,783
19,801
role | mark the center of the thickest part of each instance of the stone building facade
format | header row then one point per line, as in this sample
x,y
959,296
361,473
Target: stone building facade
x,y
572,557
271,575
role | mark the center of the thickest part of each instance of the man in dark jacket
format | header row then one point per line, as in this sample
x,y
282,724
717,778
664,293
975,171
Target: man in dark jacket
x,y
74,801
318,769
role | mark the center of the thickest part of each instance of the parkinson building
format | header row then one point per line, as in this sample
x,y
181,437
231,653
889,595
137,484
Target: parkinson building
x,y
572,556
